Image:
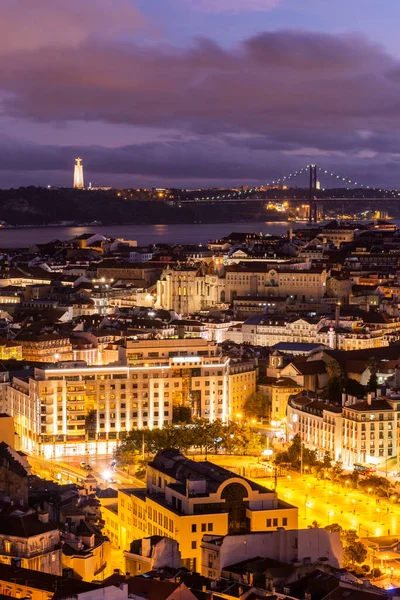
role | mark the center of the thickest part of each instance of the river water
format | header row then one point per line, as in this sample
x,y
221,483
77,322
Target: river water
x,y
144,234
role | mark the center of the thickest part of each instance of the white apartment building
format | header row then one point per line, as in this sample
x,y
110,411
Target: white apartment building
x,y
268,330
362,431
79,409
370,431
286,545
318,423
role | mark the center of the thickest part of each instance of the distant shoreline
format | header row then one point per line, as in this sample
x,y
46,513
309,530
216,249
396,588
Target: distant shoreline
x,y
141,223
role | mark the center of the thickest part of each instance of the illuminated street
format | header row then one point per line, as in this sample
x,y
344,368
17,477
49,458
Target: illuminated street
x,y
327,503
69,470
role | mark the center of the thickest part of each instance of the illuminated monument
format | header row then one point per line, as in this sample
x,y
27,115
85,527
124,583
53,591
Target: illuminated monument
x,y
78,174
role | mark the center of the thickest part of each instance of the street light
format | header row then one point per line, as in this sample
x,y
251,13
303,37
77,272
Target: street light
x,y
330,514
307,504
267,452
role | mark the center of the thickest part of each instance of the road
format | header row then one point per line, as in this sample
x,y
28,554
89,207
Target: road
x,y
68,470
327,503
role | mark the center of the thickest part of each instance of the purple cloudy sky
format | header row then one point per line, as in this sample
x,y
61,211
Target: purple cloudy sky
x,y
198,92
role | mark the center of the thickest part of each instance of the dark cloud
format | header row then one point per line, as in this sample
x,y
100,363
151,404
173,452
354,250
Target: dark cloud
x,y
276,99
286,79
174,162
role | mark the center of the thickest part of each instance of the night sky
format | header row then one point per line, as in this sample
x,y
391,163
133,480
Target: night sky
x,y
198,92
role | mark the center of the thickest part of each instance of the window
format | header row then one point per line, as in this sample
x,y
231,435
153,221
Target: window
x,y
269,522
194,545
210,526
204,527
275,522
194,527
284,521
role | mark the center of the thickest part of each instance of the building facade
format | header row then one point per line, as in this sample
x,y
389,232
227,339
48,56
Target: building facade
x,y
361,431
33,540
184,500
190,289
318,423
242,384
370,431
76,409
268,330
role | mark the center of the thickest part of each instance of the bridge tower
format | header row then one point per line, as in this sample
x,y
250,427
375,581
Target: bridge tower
x,y
312,216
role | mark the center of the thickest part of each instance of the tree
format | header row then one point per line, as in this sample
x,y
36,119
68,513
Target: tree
x,y
366,568
127,456
334,527
296,454
336,471
255,405
354,388
334,369
327,461
181,414
294,450
372,384
379,485
314,525
91,423
376,572
354,551
335,381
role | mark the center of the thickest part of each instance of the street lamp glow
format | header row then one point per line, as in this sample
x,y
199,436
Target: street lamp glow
x,y
267,452
107,475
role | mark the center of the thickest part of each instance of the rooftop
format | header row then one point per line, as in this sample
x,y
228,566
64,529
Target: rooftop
x,y
173,463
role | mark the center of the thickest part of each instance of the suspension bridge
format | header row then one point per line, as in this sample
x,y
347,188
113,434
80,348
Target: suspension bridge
x,y
315,177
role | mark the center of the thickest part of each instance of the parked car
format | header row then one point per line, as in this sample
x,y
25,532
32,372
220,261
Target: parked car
x,y
86,466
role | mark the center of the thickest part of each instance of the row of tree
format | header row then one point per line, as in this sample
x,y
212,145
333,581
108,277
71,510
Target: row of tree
x,y
202,436
298,456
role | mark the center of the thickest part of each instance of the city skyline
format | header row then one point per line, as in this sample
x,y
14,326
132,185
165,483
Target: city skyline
x,y
198,93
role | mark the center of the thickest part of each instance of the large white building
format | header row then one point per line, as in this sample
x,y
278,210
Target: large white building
x,y
268,330
360,431
75,408
318,423
188,289
370,431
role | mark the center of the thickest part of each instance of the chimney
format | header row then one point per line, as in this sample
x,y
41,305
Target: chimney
x,y
43,517
16,562
369,398
344,398
67,573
